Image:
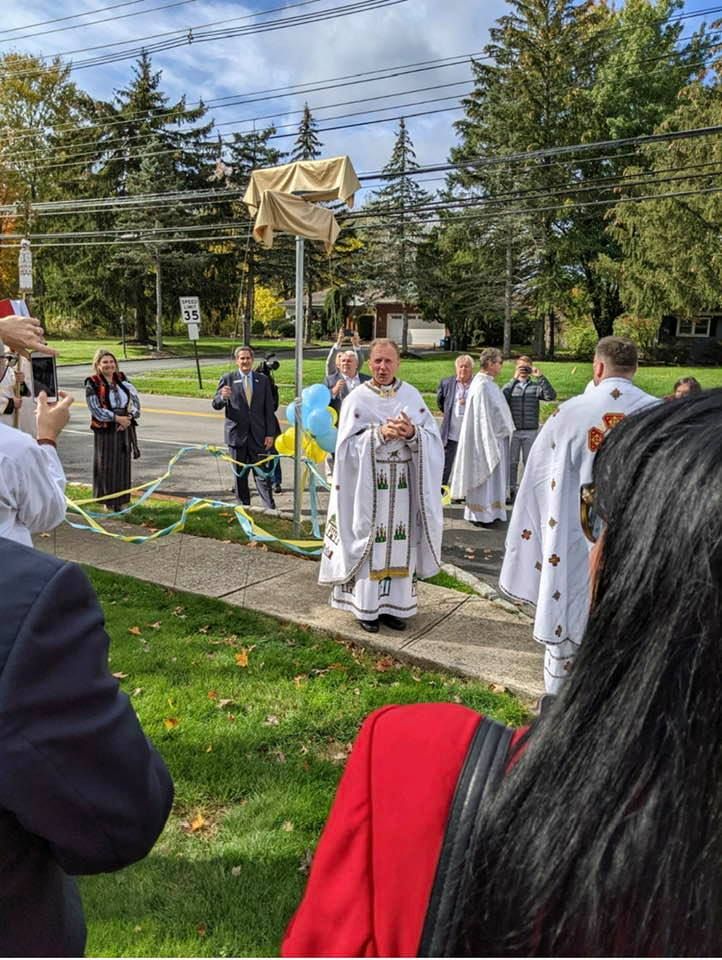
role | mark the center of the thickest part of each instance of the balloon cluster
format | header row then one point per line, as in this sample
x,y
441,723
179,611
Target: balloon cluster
x,y
318,422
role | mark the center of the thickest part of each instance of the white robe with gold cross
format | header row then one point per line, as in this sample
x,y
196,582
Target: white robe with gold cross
x,y
546,560
385,517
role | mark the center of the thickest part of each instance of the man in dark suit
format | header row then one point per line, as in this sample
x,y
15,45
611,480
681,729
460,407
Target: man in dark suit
x,y
250,425
451,398
341,383
82,790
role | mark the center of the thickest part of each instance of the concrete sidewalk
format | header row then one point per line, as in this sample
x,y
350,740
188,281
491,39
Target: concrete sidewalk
x,y
453,631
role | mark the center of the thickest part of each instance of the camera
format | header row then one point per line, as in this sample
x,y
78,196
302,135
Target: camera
x,y
268,365
525,369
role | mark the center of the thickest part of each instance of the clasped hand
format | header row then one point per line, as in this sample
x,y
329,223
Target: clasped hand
x,y
398,428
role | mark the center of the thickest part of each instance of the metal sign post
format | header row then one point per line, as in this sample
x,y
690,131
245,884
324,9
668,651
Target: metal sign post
x,y
25,268
298,448
191,316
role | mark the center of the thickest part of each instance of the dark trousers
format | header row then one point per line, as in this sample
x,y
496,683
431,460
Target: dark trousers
x,y
449,455
248,454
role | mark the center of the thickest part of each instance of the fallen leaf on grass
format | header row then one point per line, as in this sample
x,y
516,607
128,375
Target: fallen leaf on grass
x,y
497,688
136,631
120,676
236,871
241,658
384,664
155,626
137,692
287,826
222,704
209,748
300,680
305,862
271,721
137,928
202,929
204,629
197,823
170,723
212,695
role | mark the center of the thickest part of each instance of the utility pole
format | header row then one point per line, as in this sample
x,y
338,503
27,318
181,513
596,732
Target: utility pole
x,y
506,346
158,301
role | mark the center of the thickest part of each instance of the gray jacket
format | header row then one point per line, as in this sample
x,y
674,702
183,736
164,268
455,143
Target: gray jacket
x,y
524,401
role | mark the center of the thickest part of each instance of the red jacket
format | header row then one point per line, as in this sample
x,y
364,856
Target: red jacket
x,y
374,866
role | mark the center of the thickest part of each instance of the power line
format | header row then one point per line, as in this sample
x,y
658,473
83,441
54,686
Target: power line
x,y
200,34
89,23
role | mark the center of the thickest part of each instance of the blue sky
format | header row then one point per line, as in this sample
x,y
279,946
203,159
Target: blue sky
x,y
408,32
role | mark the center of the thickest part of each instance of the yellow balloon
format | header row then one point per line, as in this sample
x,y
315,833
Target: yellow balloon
x,y
334,415
285,442
315,452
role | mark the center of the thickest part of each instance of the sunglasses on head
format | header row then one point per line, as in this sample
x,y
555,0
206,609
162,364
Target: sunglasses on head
x,y
592,523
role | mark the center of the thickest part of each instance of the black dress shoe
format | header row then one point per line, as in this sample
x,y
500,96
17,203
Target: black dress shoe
x,y
370,626
277,488
389,620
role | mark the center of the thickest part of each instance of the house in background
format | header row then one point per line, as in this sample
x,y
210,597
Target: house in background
x,y
697,339
373,317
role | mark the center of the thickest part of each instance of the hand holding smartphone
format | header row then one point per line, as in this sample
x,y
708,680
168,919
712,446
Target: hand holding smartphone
x,y
45,376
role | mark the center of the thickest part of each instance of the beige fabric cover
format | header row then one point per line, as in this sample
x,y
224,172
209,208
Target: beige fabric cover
x,y
331,179
281,211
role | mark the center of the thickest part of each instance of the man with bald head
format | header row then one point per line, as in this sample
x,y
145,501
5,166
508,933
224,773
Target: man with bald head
x,y
451,398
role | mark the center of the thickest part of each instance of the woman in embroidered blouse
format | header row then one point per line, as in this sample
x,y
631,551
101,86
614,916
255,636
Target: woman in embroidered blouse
x,y
114,409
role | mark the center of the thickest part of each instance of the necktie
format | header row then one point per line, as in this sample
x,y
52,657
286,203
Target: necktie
x,y
247,389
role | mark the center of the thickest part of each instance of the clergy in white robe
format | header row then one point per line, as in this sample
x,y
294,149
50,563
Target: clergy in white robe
x,y
546,561
481,467
32,486
385,516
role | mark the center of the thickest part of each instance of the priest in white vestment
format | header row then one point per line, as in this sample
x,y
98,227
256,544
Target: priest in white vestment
x,y
385,516
481,467
546,561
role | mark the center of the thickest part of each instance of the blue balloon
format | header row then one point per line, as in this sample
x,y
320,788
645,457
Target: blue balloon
x,y
317,395
327,441
319,421
291,412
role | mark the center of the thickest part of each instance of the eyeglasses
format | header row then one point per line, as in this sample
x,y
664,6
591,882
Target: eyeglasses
x,y
7,360
592,523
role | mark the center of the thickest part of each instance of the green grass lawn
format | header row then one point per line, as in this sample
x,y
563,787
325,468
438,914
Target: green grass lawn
x,y
81,351
254,719
567,378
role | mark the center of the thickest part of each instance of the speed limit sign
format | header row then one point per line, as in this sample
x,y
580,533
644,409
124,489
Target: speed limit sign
x,y
190,310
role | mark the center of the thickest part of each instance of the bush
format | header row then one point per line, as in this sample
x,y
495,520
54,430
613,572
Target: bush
x,y
644,331
257,328
286,331
580,338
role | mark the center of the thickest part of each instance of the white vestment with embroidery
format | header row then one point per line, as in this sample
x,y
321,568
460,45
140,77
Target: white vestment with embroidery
x,y
546,561
385,517
481,466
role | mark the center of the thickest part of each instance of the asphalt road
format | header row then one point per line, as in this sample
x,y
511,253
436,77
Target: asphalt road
x,y
169,423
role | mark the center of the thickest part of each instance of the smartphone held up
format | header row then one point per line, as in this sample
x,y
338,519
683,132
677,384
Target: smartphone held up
x,y
45,376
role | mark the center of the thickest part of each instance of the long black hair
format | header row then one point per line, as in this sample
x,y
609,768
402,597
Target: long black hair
x,y
606,836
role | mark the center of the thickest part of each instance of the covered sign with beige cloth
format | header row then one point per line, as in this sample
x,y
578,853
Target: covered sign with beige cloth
x,y
282,198
281,211
331,179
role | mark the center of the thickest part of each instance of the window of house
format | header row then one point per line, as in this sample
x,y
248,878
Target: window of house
x,y
699,327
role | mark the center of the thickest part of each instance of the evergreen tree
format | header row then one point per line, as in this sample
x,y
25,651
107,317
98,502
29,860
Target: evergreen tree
x,y
152,146
307,145
399,210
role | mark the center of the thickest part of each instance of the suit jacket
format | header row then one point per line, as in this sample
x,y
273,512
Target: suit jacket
x,y
243,425
331,380
81,788
445,398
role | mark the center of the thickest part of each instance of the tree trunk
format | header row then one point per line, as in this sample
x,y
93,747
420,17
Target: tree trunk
x,y
158,304
141,319
552,333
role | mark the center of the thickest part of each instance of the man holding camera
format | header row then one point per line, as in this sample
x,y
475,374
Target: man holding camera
x,y
346,340
524,396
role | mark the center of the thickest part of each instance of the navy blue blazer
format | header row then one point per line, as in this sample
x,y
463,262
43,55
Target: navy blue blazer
x,y
81,788
242,425
331,380
445,399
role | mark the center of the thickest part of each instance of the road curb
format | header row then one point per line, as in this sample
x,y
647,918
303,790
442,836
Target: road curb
x,y
484,590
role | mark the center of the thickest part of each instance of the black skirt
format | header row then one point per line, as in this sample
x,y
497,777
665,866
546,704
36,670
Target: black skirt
x,y
111,466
